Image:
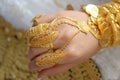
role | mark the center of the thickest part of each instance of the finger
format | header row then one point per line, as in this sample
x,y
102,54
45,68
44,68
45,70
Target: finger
x,y
55,70
34,52
59,68
45,60
73,50
45,19
48,18
34,67
50,59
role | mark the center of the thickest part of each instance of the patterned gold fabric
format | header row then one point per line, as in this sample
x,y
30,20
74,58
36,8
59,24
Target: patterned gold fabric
x,y
13,54
85,71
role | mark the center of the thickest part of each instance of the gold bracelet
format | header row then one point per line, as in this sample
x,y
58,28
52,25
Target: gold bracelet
x,y
104,22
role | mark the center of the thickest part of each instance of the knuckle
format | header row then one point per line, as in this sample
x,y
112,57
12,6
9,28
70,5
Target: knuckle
x,y
71,51
32,50
31,53
66,36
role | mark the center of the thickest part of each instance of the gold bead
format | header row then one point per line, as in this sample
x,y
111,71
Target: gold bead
x,y
108,5
106,40
116,33
118,18
116,1
109,18
117,6
112,9
103,11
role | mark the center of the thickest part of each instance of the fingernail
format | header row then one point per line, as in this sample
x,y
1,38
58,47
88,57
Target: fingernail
x,y
39,78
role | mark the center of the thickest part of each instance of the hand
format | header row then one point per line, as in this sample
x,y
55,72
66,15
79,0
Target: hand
x,y
81,48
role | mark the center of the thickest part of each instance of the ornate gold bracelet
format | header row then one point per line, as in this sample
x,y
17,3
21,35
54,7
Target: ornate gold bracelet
x,y
104,22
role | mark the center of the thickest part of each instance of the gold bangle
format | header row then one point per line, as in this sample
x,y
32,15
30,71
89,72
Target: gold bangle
x,y
104,22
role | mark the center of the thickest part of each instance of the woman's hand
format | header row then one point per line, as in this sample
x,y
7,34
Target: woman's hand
x,y
81,48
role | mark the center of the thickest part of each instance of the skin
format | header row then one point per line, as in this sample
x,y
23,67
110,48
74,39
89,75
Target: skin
x,y
81,48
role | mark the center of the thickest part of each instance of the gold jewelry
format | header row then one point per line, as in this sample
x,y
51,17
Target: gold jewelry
x,y
104,22
44,34
117,1
34,20
54,57
51,59
45,41
39,36
37,30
